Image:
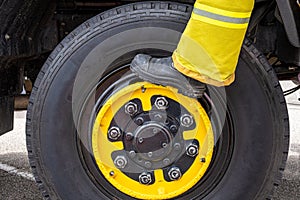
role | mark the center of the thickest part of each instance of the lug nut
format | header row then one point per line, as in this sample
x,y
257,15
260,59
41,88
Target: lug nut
x,y
161,103
186,120
139,121
120,162
114,133
192,150
174,173
131,108
145,178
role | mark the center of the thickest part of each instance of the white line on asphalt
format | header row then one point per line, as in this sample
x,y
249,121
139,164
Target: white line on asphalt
x,y
12,170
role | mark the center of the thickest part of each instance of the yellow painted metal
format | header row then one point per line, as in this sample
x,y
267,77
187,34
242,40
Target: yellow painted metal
x,y
160,189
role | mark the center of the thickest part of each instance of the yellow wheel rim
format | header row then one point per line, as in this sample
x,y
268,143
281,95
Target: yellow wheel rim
x,y
122,156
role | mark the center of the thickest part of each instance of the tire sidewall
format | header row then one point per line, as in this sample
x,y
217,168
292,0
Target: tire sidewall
x,y
68,81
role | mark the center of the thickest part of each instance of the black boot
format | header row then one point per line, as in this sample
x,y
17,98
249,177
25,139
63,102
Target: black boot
x,y
161,71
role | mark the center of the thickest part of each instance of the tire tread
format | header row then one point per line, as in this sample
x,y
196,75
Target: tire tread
x,y
109,19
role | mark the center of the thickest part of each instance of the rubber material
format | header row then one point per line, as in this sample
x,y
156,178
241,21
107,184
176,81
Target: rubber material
x,y
255,99
6,114
147,67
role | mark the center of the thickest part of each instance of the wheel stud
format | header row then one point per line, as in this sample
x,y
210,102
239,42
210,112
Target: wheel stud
x,y
192,150
114,133
131,108
173,129
186,120
174,173
161,103
145,178
120,162
139,121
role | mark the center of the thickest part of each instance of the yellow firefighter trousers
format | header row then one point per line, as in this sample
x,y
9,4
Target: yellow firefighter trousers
x,y
209,48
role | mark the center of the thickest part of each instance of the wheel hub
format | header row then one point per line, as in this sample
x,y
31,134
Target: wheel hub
x,y
150,142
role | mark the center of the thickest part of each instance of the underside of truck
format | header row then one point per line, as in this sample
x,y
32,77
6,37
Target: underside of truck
x,y
97,131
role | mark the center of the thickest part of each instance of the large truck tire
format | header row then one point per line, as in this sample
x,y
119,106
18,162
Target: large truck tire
x,y
77,152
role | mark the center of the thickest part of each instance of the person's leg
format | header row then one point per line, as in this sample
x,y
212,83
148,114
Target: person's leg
x,y
207,51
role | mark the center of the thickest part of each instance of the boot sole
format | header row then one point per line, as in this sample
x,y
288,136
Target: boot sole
x,y
159,80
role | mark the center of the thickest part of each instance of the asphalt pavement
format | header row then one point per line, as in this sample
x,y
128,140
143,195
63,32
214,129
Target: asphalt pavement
x,y
17,182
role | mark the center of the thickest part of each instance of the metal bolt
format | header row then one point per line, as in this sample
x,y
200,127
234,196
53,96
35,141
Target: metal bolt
x,y
131,108
132,154
150,154
145,178
129,136
120,162
174,128
148,164
177,146
157,116
7,37
155,130
192,150
174,173
139,121
164,145
111,173
114,133
141,140
143,89
186,120
166,161
161,103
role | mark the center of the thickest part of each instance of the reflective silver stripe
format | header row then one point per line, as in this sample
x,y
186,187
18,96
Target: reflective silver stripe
x,y
222,18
